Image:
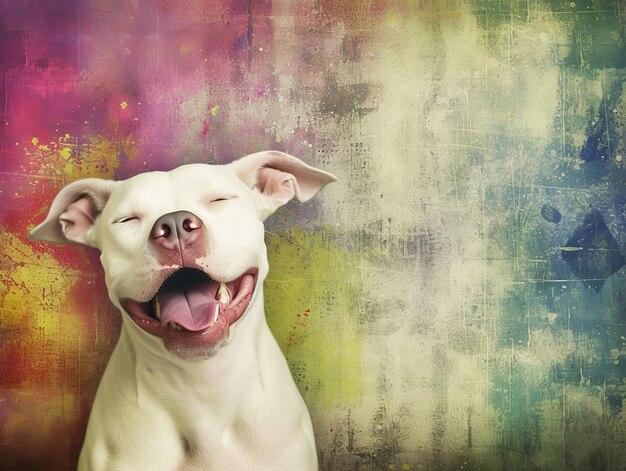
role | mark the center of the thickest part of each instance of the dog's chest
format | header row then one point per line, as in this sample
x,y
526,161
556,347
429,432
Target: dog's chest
x,y
242,440
236,444
220,429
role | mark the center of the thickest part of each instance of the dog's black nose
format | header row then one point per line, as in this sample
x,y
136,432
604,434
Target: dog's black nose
x,y
177,229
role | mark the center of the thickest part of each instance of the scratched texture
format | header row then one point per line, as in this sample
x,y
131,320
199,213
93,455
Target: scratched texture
x,y
456,301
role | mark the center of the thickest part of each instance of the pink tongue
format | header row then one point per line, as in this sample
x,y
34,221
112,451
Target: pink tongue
x,y
191,305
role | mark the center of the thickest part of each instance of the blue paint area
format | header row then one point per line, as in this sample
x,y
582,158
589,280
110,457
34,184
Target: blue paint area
x,y
601,143
592,147
558,375
242,43
550,213
619,203
592,252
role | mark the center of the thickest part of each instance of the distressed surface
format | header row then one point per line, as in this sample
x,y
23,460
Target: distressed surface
x,y
456,301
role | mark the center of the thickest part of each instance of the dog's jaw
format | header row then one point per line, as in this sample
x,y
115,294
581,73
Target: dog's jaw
x,y
191,312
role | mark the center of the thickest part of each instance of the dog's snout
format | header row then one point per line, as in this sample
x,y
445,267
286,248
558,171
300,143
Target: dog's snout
x,y
172,230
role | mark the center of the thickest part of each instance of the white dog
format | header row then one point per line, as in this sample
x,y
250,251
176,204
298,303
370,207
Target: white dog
x,y
196,381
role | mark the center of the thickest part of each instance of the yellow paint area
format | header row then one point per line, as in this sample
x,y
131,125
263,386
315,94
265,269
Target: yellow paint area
x,y
184,50
66,153
33,293
309,272
70,158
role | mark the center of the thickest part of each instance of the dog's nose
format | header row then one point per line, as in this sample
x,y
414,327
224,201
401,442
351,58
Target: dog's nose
x,y
177,229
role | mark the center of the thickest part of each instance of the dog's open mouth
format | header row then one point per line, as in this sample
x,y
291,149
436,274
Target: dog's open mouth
x,y
191,308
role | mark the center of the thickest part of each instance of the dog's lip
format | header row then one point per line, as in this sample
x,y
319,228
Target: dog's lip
x,y
245,285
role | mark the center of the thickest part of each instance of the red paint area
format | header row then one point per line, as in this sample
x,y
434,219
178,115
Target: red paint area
x,y
298,329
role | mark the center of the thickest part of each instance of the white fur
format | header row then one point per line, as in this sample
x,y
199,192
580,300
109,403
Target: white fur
x,y
236,407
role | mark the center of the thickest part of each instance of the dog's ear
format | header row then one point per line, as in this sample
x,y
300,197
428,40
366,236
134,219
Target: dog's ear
x,y
276,178
74,212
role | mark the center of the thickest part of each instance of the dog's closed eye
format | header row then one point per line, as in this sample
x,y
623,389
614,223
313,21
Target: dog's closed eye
x,y
222,198
125,219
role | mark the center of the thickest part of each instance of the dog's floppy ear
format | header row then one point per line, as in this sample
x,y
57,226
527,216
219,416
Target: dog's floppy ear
x,y
276,178
74,211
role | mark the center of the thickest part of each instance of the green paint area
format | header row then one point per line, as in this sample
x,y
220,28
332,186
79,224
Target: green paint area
x,y
311,299
594,38
516,329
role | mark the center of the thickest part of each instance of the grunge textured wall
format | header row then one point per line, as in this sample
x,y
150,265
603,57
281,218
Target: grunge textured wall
x,y
456,301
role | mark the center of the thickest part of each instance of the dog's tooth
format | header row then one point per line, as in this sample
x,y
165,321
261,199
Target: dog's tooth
x,y
175,326
216,313
223,295
157,307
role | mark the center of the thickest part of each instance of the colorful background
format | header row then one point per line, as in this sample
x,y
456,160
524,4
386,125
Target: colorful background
x,y
456,301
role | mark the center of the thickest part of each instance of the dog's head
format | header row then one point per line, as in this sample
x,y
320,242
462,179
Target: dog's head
x,y
183,251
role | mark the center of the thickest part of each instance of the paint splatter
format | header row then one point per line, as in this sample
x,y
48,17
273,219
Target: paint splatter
x,y
550,213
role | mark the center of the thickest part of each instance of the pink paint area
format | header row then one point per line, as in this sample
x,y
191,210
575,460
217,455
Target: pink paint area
x,y
97,89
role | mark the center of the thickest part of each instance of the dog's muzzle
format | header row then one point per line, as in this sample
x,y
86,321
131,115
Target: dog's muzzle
x,y
188,307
